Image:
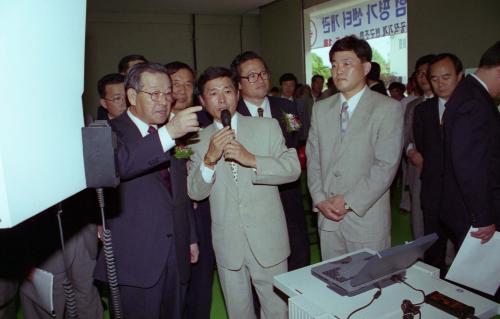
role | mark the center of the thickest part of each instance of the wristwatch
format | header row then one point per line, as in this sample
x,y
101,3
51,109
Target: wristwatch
x,y
208,163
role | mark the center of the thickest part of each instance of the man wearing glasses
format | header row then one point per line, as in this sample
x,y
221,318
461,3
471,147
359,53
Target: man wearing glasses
x,y
253,76
153,230
413,160
111,89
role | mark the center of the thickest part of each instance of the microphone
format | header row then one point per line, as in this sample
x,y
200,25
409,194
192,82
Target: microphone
x,y
225,118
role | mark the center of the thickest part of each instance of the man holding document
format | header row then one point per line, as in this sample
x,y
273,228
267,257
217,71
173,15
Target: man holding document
x,y
471,181
472,153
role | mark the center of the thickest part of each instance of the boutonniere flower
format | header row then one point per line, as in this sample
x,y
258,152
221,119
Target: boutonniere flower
x,y
183,151
292,122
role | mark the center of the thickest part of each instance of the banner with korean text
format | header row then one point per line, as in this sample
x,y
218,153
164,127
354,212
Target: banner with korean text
x,y
372,19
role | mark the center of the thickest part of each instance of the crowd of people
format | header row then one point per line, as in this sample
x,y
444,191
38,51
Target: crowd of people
x,y
210,169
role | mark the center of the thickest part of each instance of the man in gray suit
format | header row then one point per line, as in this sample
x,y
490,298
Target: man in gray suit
x,y
239,167
353,153
75,263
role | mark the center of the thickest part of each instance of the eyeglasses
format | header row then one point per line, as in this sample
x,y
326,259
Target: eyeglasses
x,y
421,74
156,95
116,99
253,77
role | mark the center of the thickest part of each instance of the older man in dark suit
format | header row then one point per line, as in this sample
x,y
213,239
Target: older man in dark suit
x,y
445,73
253,76
153,235
471,195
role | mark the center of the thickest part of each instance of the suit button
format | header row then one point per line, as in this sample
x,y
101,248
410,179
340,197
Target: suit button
x,y
169,235
337,174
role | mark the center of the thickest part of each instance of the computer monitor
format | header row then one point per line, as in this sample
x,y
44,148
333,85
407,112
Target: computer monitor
x,y
363,271
394,260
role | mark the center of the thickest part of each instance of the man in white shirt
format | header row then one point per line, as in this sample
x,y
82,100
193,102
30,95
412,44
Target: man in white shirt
x,y
353,153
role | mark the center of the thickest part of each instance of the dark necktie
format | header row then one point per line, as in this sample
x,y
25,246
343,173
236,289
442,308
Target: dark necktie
x,y
260,111
164,173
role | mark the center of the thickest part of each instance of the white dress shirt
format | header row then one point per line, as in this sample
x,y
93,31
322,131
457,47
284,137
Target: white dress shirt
x,y
411,146
442,107
207,173
352,102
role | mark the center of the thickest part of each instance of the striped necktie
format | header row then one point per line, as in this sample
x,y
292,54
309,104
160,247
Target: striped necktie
x,y
344,119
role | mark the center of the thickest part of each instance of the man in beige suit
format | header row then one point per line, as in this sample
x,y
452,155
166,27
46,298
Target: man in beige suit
x,y
353,152
239,168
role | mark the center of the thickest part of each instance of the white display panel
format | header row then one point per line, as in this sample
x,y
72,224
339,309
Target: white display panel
x,y
42,47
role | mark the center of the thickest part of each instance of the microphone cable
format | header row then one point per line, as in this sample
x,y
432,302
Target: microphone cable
x,y
110,261
69,292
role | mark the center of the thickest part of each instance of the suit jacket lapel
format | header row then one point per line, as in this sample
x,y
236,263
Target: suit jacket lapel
x,y
435,112
134,134
242,108
486,95
276,111
132,130
332,115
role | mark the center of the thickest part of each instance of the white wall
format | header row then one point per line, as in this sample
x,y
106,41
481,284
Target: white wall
x,y
282,38
163,38
465,28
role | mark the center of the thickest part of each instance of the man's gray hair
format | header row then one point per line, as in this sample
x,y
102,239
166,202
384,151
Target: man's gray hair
x,y
133,78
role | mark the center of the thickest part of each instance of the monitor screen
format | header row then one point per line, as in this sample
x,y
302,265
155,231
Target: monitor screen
x,y
41,84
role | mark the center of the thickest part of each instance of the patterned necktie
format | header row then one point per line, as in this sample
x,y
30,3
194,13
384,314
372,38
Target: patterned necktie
x,y
260,111
344,119
234,170
164,173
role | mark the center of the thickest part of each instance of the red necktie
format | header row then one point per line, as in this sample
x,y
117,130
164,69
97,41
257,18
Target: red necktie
x,y
165,174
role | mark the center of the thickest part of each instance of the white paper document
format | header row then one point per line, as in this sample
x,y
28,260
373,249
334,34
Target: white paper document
x,y
39,289
477,265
